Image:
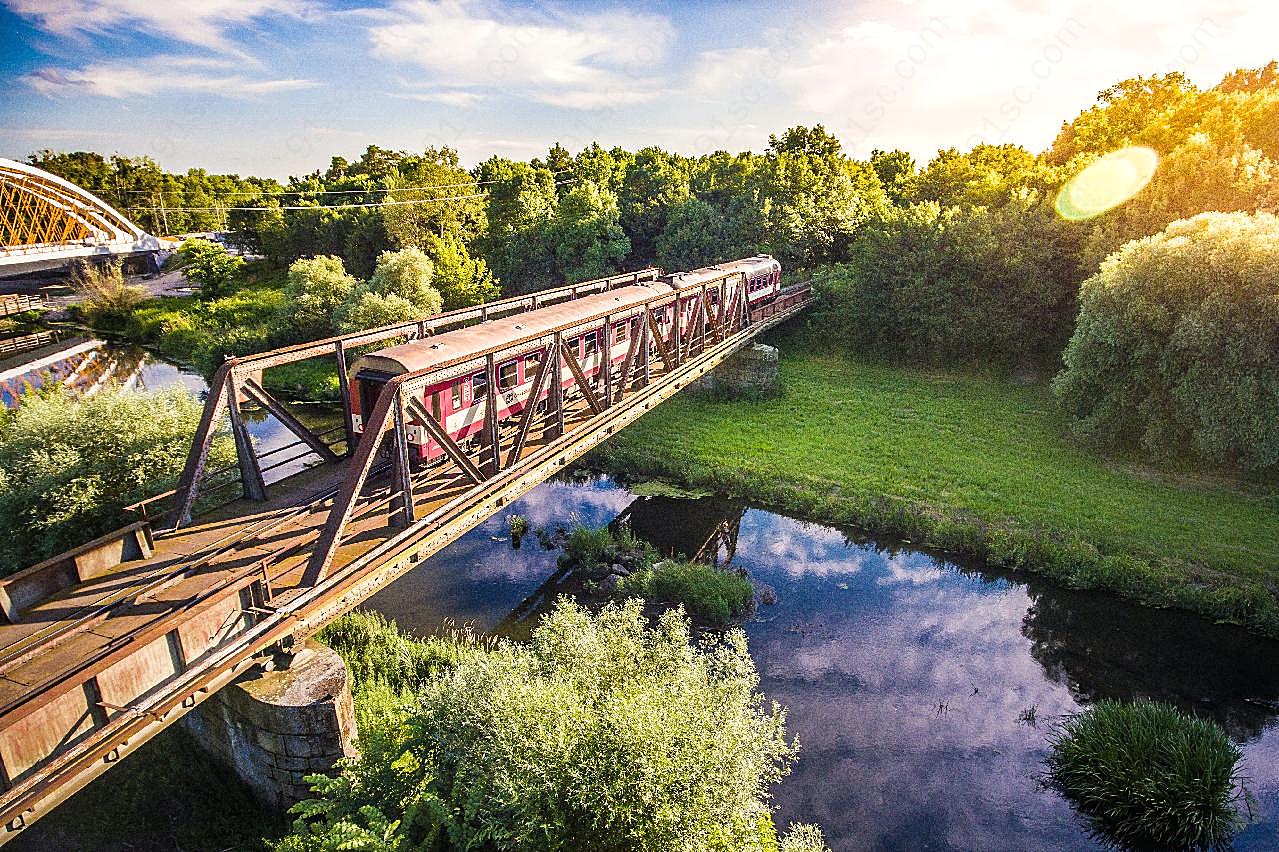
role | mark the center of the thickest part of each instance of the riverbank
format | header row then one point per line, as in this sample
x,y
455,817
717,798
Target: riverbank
x,y
974,467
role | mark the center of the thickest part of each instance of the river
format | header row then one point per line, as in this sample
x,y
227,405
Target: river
x,y
921,690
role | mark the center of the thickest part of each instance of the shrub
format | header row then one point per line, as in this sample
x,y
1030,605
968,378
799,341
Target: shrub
x,y
209,265
941,285
717,595
1148,775
370,310
317,287
1175,347
106,300
68,466
407,274
602,733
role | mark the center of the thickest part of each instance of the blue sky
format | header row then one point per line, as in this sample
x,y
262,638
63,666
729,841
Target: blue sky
x,y
276,87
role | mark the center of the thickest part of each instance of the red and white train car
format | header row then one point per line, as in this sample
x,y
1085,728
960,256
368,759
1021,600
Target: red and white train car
x,y
458,402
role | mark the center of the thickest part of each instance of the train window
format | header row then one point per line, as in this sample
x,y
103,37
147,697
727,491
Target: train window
x,y
592,343
437,406
531,363
623,329
507,376
457,395
479,387
574,346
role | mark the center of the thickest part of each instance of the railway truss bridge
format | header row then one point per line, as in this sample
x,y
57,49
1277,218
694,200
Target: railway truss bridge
x,y
110,643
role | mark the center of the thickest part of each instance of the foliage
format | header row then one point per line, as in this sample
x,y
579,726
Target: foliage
x,y
407,274
1176,341
956,284
106,300
377,654
602,732
1149,776
975,467
159,202
587,235
209,265
461,279
68,466
317,289
717,595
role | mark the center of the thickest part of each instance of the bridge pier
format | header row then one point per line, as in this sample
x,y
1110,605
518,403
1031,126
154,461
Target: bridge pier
x,y
273,728
750,371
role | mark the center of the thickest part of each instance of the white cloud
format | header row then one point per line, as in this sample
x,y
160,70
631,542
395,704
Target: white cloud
x,y
201,22
453,98
930,74
154,76
580,61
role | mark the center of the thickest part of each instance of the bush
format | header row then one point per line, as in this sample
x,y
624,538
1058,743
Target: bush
x,y
68,466
1148,775
959,284
209,265
601,733
406,275
105,299
1176,341
317,287
717,595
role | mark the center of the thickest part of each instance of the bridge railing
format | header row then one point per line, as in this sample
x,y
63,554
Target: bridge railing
x,y
239,380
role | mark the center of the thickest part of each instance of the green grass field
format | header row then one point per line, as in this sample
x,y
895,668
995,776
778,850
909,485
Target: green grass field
x,y
976,466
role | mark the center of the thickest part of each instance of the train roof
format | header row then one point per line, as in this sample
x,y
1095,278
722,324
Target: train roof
x,y
464,343
746,265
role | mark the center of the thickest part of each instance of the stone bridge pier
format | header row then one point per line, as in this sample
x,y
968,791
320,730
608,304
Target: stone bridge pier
x,y
750,371
274,727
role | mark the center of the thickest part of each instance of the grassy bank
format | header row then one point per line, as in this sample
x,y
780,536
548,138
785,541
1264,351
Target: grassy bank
x,y
200,332
975,467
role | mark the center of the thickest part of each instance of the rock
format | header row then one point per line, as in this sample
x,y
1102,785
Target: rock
x,y
619,569
609,584
767,594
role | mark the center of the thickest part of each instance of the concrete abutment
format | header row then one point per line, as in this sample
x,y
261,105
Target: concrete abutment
x,y
275,727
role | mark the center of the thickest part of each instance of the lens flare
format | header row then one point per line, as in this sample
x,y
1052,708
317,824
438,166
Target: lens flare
x,y
1107,183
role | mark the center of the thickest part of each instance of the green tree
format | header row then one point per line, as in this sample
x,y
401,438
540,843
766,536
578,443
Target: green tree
x,y
896,172
1175,345
209,265
521,204
587,235
461,279
316,288
407,274
655,182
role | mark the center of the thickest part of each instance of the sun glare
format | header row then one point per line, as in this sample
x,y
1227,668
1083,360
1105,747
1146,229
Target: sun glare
x,y
1107,183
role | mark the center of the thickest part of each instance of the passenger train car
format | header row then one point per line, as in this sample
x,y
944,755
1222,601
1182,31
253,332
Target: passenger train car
x,y
458,403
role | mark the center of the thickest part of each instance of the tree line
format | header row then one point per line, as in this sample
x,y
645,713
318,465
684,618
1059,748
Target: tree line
x,y
961,260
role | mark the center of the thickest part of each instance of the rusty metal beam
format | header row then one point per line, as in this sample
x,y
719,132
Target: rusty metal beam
x,y
530,406
250,469
286,418
450,447
579,378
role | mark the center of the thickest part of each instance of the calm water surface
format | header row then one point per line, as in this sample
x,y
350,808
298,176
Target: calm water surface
x,y
921,691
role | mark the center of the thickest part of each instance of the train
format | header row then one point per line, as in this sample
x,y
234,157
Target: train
x,y
458,403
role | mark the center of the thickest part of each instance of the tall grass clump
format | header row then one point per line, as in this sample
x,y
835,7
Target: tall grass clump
x,y
1149,776
106,299
715,595
602,732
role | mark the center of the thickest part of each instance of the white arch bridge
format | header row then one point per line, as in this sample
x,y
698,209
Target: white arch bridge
x,y
47,222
